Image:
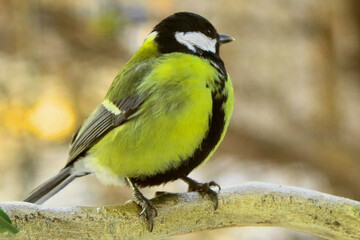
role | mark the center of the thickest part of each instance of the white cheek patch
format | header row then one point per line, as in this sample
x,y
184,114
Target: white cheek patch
x,y
196,39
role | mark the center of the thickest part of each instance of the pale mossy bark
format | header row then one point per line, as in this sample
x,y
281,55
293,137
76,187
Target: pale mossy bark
x,y
251,204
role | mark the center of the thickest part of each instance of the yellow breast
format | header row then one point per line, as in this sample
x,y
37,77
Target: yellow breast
x,y
168,127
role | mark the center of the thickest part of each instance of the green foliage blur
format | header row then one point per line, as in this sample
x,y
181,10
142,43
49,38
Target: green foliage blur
x,y
5,224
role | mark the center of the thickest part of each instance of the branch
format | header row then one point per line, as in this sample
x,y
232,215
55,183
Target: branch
x,y
251,204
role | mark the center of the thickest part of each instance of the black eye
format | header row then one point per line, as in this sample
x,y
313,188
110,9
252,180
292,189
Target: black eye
x,y
209,32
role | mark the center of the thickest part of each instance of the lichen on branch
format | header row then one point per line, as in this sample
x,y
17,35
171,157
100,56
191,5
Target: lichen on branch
x,y
250,204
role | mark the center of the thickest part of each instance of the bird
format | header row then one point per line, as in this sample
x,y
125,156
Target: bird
x,y
165,114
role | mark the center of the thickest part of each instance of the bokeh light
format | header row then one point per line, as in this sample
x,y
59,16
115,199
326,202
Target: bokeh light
x,y
14,118
51,119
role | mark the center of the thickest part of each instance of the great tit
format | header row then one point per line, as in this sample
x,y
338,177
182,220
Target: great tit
x,y
165,113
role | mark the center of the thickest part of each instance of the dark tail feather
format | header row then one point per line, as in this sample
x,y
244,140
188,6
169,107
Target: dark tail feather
x,y
51,186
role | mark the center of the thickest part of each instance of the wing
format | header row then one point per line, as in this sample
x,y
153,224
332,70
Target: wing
x,y
121,102
106,117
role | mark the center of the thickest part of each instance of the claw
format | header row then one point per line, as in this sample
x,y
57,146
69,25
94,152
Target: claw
x,y
204,189
214,184
142,212
147,209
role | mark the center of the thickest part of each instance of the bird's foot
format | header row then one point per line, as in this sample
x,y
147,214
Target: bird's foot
x,y
204,189
147,209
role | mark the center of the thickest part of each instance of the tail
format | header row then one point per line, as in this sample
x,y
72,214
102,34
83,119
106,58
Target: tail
x,y
51,186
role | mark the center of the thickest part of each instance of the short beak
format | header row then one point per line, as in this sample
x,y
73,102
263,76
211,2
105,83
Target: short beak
x,y
225,38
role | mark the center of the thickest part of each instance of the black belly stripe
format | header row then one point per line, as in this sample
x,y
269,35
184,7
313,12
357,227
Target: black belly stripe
x,y
216,123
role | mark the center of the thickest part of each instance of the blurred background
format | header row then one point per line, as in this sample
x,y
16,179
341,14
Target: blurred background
x,y
295,67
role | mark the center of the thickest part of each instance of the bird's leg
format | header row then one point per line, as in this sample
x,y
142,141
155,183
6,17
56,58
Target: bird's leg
x,y
148,210
203,189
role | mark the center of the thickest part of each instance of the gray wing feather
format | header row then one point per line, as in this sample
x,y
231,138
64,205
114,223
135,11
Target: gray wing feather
x,y
100,124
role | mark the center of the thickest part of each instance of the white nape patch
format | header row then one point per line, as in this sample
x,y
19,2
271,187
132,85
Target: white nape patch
x,y
198,39
153,34
111,107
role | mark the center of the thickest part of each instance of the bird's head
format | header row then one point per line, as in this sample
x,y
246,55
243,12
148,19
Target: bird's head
x,y
188,33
